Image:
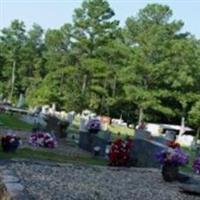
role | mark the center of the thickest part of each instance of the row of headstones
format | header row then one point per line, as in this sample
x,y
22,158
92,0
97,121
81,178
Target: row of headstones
x,y
85,117
142,153
40,118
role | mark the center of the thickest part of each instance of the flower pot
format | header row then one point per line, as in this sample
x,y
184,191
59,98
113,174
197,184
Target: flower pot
x,y
94,131
10,147
170,172
63,129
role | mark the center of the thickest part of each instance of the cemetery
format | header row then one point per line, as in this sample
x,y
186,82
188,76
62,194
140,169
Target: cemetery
x,y
52,144
101,102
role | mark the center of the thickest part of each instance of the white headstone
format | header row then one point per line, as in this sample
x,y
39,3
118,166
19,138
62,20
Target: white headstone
x,y
70,116
83,123
170,135
45,109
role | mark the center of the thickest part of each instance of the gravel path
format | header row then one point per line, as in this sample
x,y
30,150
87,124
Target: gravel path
x,y
73,182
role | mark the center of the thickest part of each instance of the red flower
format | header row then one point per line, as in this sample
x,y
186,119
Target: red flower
x,y
120,152
173,144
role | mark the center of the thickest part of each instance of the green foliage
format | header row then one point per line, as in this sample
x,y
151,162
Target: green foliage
x,y
148,69
194,114
149,36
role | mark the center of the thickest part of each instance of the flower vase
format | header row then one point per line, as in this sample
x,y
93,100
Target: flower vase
x,y
93,131
170,172
10,147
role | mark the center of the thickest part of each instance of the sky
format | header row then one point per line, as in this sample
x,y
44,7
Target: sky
x,y
54,13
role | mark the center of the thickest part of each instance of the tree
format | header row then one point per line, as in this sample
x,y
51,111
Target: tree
x,y
149,36
13,40
32,64
93,26
194,117
49,91
183,75
58,46
94,30
148,69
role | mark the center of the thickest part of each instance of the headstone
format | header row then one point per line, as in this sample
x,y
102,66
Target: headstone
x,y
51,111
53,107
170,135
83,123
144,152
88,141
105,121
45,109
107,136
57,126
142,134
21,101
70,117
186,140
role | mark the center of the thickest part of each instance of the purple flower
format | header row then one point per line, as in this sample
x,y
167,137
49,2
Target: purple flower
x,y
161,156
40,139
94,124
176,157
196,165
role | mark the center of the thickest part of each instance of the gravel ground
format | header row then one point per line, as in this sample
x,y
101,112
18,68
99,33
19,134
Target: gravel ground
x,y
72,182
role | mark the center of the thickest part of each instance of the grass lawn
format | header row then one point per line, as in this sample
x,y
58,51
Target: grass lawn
x,y
37,154
14,122
192,156
114,129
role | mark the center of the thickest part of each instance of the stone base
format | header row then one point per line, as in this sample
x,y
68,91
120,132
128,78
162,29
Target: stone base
x,y
11,187
88,141
193,189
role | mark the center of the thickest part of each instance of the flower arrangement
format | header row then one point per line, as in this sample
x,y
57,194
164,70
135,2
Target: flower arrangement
x,y
171,159
174,157
119,154
196,165
10,142
94,126
42,139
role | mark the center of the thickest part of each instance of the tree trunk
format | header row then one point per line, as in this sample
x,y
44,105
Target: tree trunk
x,y
84,84
13,80
141,115
196,142
61,83
198,133
182,129
114,87
103,97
